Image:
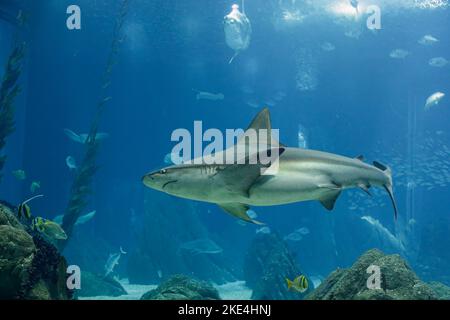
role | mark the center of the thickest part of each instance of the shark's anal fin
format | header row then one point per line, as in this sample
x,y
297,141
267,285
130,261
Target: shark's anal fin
x,y
329,201
238,210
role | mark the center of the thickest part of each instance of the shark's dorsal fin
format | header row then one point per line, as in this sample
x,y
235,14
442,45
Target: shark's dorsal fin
x,y
329,201
238,210
262,122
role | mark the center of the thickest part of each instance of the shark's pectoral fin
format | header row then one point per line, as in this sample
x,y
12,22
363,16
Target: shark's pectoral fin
x,y
329,201
239,178
238,210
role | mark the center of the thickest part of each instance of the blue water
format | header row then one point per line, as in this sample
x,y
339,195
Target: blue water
x,y
358,100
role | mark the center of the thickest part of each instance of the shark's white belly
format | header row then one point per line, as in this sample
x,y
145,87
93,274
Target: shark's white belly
x,y
285,188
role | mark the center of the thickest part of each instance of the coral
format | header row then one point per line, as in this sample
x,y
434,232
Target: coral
x,y
30,268
181,287
267,265
398,281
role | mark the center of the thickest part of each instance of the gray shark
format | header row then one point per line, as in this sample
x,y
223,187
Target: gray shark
x,y
302,175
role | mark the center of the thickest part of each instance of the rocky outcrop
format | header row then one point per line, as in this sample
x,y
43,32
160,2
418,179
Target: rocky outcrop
x,y
180,287
441,290
398,281
30,268
93,285
267,265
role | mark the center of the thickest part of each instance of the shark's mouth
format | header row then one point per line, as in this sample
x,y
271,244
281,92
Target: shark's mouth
x,y
169,182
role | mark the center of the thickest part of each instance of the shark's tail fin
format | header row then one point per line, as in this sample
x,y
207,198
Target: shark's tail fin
x,y
388,185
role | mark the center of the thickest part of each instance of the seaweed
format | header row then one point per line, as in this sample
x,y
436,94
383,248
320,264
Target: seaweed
x,y
9,90
81,186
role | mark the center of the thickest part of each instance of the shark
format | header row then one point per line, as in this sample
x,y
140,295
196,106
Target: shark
x,y
301,175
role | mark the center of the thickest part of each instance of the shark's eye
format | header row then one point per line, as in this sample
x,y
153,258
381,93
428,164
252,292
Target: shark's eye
x,y
163,171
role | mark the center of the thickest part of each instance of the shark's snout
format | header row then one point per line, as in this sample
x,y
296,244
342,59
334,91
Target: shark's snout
x,y
148,180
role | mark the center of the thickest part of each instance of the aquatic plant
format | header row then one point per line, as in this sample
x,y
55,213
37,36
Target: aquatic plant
x,y
9,90
81,186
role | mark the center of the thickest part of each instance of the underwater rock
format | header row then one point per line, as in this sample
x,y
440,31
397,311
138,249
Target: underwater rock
x,y
30,268
93,285
267,265
398,281
181,287
441,290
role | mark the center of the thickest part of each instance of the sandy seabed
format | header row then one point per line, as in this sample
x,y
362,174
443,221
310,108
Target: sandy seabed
x,y
228,291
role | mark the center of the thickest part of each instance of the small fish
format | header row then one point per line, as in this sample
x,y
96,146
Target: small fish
x,y
280,95
399,54
20,174
353,34
159,274
438,62
270,103
303,231
327,46
427,40
201,246
300,284
35,186
48,228
294,236
434,99
83,137
263,230
112,261
252,214
354,4
85,218
203,95
24,209
71,163
253,103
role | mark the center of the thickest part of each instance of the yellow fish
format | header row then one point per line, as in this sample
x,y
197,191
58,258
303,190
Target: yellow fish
x,y
300,284
51,229
20,174
24,209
